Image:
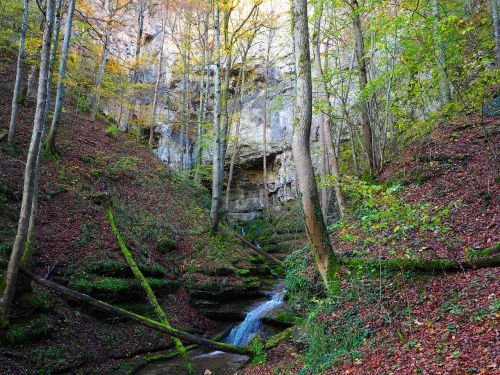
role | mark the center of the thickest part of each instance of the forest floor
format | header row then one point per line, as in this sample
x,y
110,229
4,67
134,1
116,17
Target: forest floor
x,y
403,322
161,215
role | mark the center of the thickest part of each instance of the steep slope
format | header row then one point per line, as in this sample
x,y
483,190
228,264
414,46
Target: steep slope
x,y
405,322
162,217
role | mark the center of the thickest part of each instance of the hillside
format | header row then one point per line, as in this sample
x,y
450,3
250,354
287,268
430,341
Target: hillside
x,y
401,321
161,215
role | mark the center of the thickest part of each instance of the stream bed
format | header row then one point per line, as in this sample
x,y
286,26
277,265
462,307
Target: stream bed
x,y
218,362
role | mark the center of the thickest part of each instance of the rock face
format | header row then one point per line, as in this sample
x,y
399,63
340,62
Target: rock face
x,y
175,133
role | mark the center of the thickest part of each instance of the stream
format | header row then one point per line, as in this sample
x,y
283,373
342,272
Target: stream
x,y
218,362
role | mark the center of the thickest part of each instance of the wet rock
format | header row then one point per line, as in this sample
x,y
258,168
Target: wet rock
x,y
280,317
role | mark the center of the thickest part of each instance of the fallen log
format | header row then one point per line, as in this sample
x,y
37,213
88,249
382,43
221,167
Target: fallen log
x,y
153,301
150,323
485,258
259,250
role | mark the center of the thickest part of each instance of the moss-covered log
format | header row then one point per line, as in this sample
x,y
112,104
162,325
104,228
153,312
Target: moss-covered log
x,y
482,259
258,250
273,341
147,288
150,323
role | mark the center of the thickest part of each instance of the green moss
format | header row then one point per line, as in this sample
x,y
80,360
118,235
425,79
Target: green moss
x,y
473,254
5,250
252,281
82,284
272,341
112,284
258,348
106,267
286,317
243,272
198,245
166,244
21,333
37,301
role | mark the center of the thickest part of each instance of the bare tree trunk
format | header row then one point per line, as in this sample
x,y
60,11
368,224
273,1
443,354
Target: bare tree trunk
x,y
30,171
236,146
158,79
29,84
32,74
496,30
102,65
367,134
19,72
51,141
216,148
26,259
267,208
203,112
141,8
441,55
52,59
326,260
325,131
199,131
318,77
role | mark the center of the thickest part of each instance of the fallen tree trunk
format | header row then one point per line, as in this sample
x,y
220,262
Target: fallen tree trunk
x,y
259,250
484,259
132,316
145,285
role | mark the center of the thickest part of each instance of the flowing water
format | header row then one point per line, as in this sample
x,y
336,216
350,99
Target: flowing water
x,y
222,363
243,333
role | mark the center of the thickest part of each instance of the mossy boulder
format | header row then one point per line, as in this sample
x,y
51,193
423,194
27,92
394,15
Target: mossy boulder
x,y
280,317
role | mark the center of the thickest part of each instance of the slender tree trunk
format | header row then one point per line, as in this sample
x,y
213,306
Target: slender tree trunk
x,y
318,77
496,30
102,65
441,55
19,72
199,131
367,134
30,171
52,59
203,114
236,143
51,141
216,183
326,260
29,84
267,206
157,83
325,135
26,259
141,8
225,116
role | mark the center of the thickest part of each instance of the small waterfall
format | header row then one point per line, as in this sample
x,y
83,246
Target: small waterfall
x,y
243,333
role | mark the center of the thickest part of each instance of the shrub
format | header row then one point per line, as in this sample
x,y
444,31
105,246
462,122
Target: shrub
x,y
112,130
299,283
166,244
